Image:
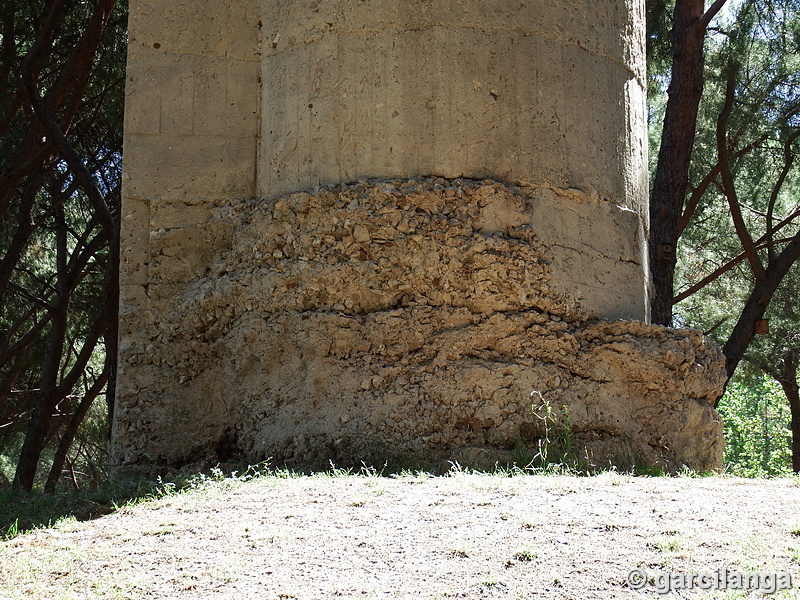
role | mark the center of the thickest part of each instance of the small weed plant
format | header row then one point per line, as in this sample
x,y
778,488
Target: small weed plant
x,y
556,451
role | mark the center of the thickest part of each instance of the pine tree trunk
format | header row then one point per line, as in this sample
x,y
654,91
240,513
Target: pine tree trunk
x,y
677,140
111,335
71,430
788,381
48,396
745,328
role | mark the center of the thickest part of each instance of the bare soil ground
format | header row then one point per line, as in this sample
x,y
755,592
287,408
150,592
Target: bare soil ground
x,y
458,536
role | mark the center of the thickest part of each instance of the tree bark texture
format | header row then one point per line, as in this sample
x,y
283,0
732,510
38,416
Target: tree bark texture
x,y
47,399
790,387
745,328
672,171
71,430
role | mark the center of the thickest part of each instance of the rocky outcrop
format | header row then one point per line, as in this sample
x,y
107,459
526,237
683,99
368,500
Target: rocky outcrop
x,y
386,319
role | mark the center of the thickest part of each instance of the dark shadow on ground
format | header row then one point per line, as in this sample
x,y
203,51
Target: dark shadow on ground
x,y
23,511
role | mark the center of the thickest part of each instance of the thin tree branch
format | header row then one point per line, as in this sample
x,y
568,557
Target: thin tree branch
x,y
72,428
711,13
788,162
727,176
69,154
760,245
744,330
699,191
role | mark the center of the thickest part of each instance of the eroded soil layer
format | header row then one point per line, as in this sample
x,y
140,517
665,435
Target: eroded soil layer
x,y
381,319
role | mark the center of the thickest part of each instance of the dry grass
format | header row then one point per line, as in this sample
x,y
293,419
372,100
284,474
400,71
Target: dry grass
x,y
414,536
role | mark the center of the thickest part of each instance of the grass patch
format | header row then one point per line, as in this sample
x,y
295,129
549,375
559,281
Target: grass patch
x,y
21,512
524,555
24,511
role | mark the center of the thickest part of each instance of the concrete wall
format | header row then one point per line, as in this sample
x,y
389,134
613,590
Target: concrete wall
x,y
505,147
191,138
538,92
191,128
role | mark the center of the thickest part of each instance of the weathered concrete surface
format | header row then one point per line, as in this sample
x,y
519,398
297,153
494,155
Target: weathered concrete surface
x,y
191,124
534,91
412,310
376,320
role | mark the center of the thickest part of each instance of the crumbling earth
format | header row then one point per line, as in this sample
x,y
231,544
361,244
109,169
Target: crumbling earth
x,y
376,320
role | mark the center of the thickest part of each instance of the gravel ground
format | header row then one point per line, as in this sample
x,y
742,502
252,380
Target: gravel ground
x,y
457,536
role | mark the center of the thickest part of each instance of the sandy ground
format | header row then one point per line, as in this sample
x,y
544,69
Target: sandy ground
x,y
459,536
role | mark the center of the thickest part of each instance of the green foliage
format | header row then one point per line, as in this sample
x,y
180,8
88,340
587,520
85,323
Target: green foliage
x,y
555,446
759,48
757,433
751,100
558,452
783,339
659,50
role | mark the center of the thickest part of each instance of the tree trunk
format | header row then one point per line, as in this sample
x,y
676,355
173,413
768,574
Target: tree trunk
x,y
745,328
69,433
788,380
793,394
112,321
677,140
48,389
